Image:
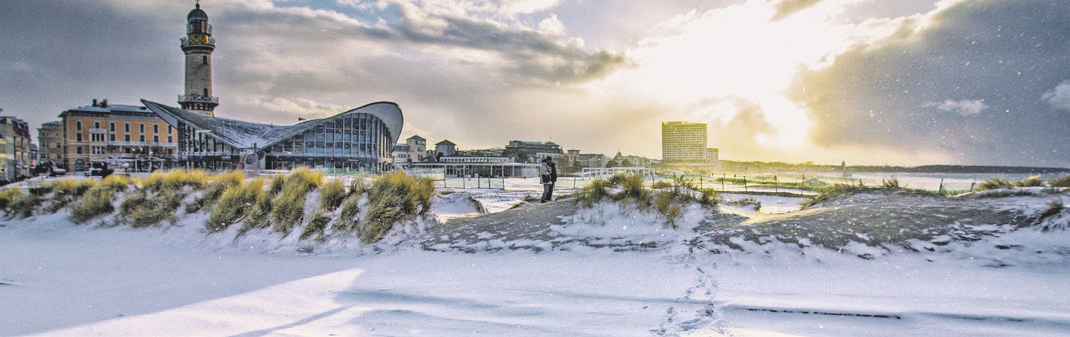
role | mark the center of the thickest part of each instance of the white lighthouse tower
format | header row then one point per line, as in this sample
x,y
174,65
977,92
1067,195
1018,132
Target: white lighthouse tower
x,y
198,46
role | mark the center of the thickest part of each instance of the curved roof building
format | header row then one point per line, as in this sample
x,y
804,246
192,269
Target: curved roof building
x,y
359,139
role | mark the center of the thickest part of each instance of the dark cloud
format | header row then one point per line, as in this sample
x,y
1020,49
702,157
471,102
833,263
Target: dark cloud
x,y
59,54
534,55
971,85
323,55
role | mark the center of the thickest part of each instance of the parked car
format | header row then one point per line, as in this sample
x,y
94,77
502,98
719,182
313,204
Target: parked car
x,y
99,169
56,171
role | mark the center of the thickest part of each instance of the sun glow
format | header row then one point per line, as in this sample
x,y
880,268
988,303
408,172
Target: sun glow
x,y
712,66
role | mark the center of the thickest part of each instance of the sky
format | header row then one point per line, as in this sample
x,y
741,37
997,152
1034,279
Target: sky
x,y
906,82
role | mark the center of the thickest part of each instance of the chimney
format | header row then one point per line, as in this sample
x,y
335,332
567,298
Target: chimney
x,y
94,102
104,103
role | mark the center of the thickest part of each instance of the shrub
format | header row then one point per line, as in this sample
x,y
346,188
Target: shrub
x,y
260,215
7,197
1054,208
174,180
97,202
708,197
995,183
220,184
306,178
115,183
147,208
358,186
288,209
234,204
1033,181
892,182
331,195
669,200
64,192
596,191
1060,182
277,182
394,197
661,184
632,189
23,204
669,204
315,227
348,218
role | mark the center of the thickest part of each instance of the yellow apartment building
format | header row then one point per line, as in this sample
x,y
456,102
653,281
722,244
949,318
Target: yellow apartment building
x,y
128,137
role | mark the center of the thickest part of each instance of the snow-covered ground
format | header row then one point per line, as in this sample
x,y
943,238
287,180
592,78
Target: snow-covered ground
x,y
59,279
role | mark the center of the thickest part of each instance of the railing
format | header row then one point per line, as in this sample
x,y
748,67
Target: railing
x,y
186,43
198,98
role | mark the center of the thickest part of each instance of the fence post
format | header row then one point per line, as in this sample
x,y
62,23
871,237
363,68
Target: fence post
x,y
776,185
723,176
941,186
745,184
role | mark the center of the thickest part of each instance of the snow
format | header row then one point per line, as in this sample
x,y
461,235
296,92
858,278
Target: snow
x,y
60,279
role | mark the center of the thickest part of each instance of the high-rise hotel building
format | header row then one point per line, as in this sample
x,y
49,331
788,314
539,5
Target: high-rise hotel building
x,y
685,142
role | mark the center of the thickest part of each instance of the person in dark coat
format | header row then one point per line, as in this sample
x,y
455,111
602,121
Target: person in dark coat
x,y
548,173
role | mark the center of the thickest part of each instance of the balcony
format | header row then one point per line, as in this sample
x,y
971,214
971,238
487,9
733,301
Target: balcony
x,y
208,42
142,144
198,99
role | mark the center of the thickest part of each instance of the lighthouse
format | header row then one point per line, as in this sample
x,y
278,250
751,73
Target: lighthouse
x,y
198,46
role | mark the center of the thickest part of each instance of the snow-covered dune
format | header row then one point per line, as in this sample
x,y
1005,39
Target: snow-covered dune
x,y
869,264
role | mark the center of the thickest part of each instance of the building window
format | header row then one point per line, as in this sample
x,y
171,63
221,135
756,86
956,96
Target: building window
x,y
142,128
96,125
78,149
170,139
112,126
126,138
78,137
155,128
170,129
113,137
155,139
141,139
128,128
98,150
78,125
96,137
204,59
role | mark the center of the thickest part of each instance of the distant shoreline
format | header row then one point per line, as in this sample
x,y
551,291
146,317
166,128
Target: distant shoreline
x,y
985,169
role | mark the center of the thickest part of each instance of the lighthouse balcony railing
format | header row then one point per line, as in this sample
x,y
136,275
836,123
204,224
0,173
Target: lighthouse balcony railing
x,y
186,42
198,98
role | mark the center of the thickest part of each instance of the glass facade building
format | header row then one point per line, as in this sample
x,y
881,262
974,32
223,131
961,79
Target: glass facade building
x,y
361,139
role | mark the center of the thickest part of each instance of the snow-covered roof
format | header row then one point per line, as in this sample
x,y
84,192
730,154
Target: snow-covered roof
x,y
242,134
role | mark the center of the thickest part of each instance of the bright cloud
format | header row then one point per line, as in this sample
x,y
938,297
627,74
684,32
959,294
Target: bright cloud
x,y
963,107
1059,97
736,63
779,80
